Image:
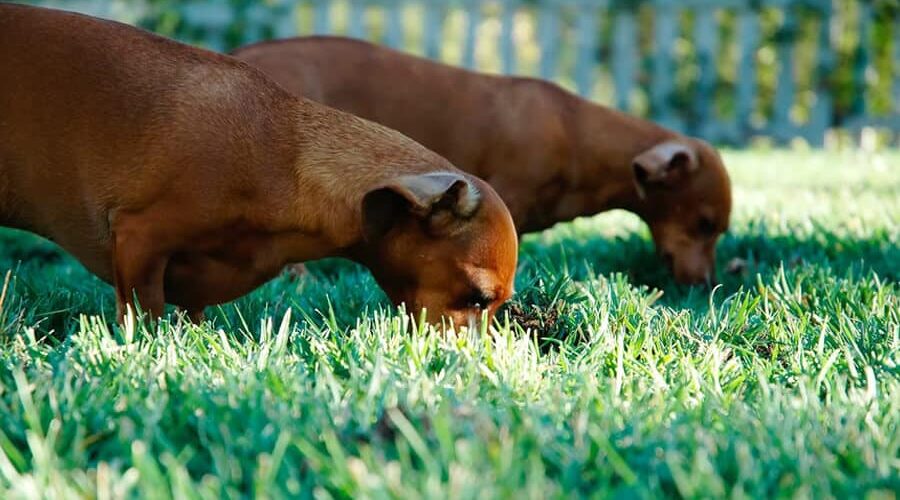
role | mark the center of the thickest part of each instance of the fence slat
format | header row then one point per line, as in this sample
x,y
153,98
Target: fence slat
x,y
782,128
586,43
624,55
665,32
393,33
322,17
214,19
706,37
862,61
896,65
748,41
285,24
473,20
507,44
548,38
895,111
434,23
820,115
257,16
356,19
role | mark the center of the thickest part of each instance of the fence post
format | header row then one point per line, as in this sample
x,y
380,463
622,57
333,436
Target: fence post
x,y
782,127
256,16
748,40
434,24
472,22
393,34
322,17
706,37
548,38
624,54
662,86
356,20
507,44
213,18
286,23
862,59
821,113
586,43
895,96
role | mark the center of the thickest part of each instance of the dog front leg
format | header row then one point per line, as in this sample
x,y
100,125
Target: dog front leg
x,y
196,315
139,267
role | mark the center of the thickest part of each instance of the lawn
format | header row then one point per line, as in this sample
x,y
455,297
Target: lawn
x,y
601,377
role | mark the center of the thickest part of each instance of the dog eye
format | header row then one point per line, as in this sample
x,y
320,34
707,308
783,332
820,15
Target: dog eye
x,y
479,300
706,226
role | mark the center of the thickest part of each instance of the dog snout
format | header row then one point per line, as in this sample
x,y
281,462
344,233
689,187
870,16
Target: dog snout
x,y
691,262
695,275
691,268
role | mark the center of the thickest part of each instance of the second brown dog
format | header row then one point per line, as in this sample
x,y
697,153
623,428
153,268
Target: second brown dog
x,y
551,155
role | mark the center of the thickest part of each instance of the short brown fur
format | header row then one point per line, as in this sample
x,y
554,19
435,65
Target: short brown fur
x,y
551,155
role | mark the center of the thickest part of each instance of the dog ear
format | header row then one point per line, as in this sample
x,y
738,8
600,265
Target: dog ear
x,y
438,199
664,164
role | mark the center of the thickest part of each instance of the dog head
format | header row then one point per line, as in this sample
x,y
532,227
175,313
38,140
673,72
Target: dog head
x,y
685,198
443,242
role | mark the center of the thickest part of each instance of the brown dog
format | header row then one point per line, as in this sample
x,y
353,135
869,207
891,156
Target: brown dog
x,y
551,155
187,177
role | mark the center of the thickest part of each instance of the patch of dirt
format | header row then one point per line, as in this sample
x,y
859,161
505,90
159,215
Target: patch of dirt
x,y
542,322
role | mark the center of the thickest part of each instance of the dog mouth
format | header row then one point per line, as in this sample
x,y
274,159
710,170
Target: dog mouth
x,y
688,271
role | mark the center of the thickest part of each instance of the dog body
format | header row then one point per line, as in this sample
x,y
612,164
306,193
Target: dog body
x,y
187,177
551,155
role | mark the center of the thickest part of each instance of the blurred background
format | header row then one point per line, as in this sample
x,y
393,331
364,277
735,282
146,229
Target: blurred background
x,y
736,72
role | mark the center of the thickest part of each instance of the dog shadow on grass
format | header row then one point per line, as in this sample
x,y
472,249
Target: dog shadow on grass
x,y
743,259
550,274
51,289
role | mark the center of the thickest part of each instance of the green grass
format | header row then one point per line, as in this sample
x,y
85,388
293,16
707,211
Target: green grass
x,y
601,378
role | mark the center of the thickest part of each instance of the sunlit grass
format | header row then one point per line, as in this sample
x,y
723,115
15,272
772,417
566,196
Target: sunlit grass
x,y
600,377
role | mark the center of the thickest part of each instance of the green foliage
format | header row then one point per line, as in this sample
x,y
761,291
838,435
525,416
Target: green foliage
x,y
600,378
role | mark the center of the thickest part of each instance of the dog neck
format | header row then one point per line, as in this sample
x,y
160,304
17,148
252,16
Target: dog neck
x,y
605,143
339,159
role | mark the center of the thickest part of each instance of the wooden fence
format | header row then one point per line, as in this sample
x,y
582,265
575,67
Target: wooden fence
x,y
725,70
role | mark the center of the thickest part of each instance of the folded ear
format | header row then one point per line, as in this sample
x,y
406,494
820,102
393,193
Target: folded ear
x,y
664,164
436,198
